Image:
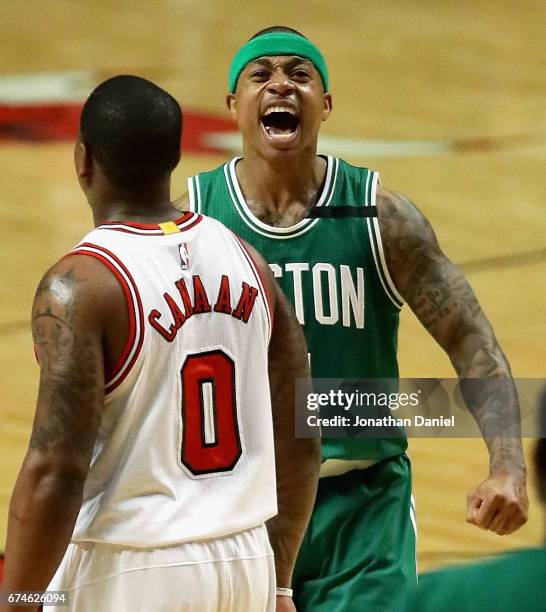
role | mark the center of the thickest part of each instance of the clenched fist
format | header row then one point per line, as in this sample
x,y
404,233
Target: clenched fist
x,y
499,503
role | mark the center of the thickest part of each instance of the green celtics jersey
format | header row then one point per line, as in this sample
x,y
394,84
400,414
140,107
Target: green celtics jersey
x,y
333,269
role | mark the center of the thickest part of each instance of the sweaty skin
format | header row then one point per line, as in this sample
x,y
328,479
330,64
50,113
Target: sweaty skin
x,y
281,179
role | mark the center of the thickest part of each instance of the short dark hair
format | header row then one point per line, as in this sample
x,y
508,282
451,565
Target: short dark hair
x,y
540,452
133,129
273,29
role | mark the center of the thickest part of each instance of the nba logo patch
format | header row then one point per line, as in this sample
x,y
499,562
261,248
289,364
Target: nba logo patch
x,y
184,256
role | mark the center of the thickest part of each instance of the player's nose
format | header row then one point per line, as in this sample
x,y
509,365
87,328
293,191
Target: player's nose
x,y
280,83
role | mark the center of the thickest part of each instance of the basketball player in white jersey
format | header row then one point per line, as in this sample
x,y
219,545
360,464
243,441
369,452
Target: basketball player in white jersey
x,y
150,472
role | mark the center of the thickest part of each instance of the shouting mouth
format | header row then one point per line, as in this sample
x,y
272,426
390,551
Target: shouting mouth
x,y
280,123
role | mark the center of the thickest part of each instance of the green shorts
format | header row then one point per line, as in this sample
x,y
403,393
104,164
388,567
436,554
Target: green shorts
x,y
358,554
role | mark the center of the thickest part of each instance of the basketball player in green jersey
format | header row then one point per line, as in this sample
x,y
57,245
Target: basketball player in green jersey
x,y
513,581
348,273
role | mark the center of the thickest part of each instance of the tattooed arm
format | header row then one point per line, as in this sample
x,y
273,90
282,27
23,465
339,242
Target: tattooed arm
x,y
297,459
437,292
70,308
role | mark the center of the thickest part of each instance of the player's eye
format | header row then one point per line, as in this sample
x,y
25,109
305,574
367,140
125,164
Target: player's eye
x,y
259,75
300,75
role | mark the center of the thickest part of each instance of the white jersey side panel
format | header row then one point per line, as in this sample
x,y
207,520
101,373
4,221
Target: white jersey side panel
x,y
185,447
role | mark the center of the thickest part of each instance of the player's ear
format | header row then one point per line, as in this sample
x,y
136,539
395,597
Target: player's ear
x,y
231,103
327,106
83,161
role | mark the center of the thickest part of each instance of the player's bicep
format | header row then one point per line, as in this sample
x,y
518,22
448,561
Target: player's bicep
x,y
432,285
68,344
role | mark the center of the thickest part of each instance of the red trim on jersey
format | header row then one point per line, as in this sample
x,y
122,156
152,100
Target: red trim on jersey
x,y
130,307
134,339
151,229
261,284
154,226
194,223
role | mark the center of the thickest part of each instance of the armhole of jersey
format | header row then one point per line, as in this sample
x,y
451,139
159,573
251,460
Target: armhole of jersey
x,y
194,194
377,244
131,350
261,283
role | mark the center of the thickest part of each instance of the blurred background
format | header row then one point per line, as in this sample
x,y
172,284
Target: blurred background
x,y
446,99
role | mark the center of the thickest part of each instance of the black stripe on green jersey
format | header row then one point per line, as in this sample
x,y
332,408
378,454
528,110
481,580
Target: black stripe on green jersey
x,y
341,212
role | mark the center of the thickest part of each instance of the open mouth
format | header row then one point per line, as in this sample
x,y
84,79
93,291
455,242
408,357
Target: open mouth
x,y
280,122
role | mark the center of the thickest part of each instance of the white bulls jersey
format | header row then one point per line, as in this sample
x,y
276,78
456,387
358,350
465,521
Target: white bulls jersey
x,y
185,447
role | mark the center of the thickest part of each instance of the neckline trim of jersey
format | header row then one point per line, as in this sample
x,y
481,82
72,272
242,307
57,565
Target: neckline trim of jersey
x,y
258,226
185,222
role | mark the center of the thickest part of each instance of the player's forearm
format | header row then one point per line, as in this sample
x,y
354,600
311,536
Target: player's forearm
x,y
43,510
490,394
495,407
298,464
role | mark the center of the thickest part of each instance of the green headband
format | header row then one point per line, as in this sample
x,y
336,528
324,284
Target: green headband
x,y
277,43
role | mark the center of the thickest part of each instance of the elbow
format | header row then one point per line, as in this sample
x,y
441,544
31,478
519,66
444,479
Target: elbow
x,y
46,494
47,478
301,455
314,444
473,358
61,483
310,452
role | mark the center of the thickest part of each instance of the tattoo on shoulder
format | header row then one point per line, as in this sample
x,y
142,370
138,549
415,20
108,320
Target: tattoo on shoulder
x,y
431,284
55,299
68,381
435,288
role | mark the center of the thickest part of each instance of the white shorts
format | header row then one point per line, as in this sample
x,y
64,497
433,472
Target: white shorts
x,y
233,574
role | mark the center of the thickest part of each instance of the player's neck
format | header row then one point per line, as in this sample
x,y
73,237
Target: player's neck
x,y
276,185
151,206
